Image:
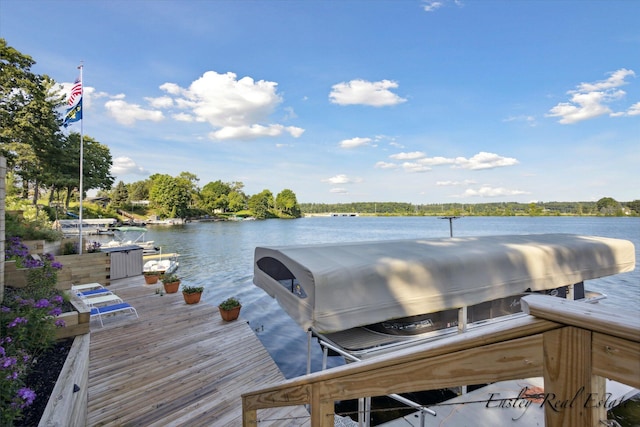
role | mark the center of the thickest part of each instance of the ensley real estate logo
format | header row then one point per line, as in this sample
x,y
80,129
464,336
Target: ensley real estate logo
x,y
535,396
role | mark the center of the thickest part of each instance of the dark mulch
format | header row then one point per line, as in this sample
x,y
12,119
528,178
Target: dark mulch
x,y
42,378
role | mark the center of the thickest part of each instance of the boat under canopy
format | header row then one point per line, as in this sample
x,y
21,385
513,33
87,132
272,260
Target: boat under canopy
x,y
329,288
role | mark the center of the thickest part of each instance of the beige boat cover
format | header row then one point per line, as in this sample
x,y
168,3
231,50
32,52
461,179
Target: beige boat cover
x,y
355,284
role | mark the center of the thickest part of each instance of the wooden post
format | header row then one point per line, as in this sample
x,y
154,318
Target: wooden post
x,y
572,392
249,416
322,409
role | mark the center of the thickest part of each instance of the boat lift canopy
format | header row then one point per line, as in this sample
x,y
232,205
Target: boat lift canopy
x,y
333,287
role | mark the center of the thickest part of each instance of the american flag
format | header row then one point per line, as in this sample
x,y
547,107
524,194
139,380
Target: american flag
x,y
76,91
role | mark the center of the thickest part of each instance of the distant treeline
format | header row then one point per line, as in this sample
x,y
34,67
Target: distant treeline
x,y
603,207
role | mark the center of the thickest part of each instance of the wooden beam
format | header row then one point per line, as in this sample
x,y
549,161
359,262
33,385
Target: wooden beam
x,y
616,359
519,358
586,316
521,327
570,387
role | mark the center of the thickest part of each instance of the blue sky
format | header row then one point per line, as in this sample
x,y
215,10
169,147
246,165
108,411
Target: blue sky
x,y
466,101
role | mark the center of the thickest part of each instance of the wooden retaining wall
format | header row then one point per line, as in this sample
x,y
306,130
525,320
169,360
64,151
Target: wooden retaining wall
x,y
67,404
76,322
85,268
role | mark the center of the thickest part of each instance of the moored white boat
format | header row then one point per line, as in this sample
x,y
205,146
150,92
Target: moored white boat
x,y
127,236
161,263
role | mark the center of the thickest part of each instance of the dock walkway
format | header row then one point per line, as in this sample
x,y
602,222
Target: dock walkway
x,y
177,365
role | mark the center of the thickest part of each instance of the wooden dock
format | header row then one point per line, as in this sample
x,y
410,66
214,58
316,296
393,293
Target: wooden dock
x,y
176,365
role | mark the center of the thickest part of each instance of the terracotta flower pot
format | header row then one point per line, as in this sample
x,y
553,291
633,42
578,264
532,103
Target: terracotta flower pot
x,y
229,315
172,287
151,279
193,298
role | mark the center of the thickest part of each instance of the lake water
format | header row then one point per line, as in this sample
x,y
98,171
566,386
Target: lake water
x,y
219,256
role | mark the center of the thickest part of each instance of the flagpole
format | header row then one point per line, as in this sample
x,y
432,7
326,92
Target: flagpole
x,y
80,246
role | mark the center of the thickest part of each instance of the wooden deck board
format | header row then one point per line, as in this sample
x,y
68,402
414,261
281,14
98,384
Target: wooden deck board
x,y
176,365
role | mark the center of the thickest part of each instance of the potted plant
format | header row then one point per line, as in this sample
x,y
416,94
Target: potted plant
x,y
171,283
192,294
151,277
230,309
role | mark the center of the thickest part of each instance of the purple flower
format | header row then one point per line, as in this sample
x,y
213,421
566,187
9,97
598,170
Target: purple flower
x,y
8,362
12,376
15,322
60,323
5,309
27,395
56,265
57,299
43,303
55,312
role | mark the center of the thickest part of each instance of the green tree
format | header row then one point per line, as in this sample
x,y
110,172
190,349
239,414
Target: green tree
x,y
634,206
97,163
608,206
29,121
139,190
260,204
287,203
237,201
214,196
172,196
120,194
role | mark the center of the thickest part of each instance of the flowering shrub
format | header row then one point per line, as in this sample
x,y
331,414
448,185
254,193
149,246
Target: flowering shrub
x,y
27,329
18,252
93,247
43,272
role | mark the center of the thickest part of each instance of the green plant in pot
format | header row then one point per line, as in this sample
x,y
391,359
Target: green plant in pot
x,y
171,283
151,277
192,294
230,309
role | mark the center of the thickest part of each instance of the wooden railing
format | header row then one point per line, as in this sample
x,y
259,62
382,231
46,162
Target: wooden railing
x,y
574,346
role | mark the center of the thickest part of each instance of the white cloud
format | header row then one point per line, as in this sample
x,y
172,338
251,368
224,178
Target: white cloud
x,y
432,5
487,191
529,120
385,165
361,92
224,101
417,162
436,161
236,108
127,114
484,160
341,179
171,88
183,117
590,100
339,190
616,80
253,132
414,167
455,183
355,142
126,166
408,156
160,102
634,110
